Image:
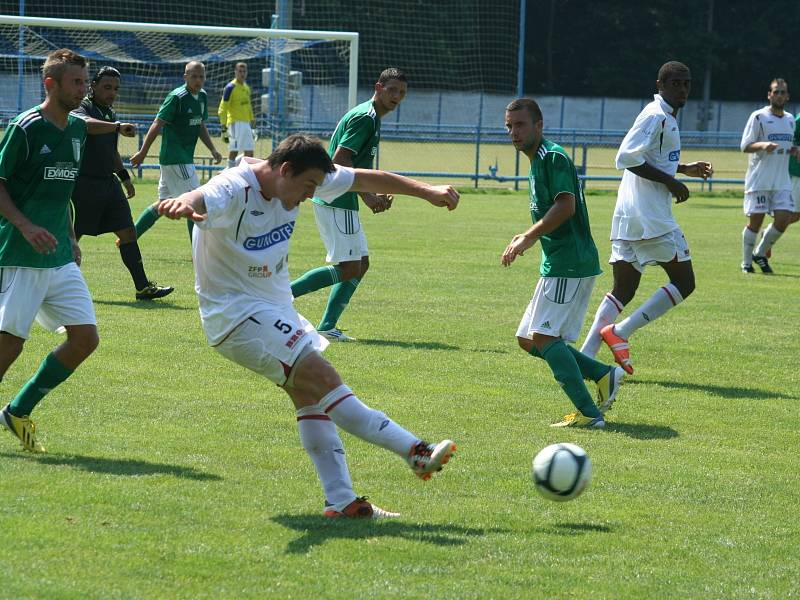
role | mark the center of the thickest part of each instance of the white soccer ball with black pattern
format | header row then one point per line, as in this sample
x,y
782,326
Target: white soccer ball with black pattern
x,y
561,471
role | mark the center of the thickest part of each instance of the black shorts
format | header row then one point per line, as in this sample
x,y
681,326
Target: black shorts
x,y
100,206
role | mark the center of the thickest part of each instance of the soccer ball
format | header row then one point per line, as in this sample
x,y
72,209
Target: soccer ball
x,y
561,472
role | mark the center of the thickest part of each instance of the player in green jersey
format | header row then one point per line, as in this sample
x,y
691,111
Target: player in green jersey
x,y
40,156
354,144
568,269
182,117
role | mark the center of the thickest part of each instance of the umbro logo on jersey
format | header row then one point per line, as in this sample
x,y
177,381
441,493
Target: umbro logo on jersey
x,y
44,150
256,213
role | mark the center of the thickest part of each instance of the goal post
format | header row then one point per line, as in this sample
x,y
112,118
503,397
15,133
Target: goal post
x,y
302,80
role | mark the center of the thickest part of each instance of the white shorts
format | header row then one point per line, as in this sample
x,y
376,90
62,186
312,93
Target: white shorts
x,y
341,232
54,297
241,137
796,193
762,203
558,308
665,248
270,341
176,180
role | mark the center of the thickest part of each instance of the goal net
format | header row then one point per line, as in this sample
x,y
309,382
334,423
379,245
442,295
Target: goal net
x,y
301,80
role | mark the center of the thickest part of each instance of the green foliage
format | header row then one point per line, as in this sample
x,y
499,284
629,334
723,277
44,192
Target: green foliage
x,y
173,473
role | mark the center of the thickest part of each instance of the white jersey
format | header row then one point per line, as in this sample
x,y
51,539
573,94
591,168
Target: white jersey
x,y
644,207
241,249
768,172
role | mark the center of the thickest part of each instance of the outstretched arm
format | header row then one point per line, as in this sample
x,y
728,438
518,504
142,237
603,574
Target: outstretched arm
x,y
190,205
99,127
563,208
383,182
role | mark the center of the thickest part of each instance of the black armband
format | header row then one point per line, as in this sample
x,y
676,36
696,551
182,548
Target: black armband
x,y
123,175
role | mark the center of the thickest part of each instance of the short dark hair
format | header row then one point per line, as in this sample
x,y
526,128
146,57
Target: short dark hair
x,y
779,81
672,68
58,61
391,73
528,104
302,152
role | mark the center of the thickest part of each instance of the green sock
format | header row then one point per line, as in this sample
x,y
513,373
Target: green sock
x,y
51,372
568,375
337,302
146,219
315,279
590,368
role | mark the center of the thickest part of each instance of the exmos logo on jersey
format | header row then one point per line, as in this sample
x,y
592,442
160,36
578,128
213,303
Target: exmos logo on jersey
x,y
276,236
780,137
64,173
195,121
675,155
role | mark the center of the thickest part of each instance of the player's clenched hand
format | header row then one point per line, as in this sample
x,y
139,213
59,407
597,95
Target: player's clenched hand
x,y
217,157
699,169
680,191
130,191
42,240
137,158
127,129
174,208
443,195
519,243
377,202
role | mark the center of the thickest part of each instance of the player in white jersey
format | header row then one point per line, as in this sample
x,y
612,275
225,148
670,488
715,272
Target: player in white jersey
x,y
643,230
768,139
245,217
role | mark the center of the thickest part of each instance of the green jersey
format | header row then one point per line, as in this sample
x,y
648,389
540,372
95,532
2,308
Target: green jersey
x,y
569,251
360,132
39,164
794,162
184,115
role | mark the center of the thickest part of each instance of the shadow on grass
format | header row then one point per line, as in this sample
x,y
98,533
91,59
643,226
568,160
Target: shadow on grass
x,y
114,466
144,304
642,431
575,528
426,346
718,390
399,344
317,530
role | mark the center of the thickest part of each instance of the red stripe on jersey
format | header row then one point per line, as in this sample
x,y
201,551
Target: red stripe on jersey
x,y
335,403
671,299
615,302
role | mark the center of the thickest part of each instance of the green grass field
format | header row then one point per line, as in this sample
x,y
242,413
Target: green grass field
x,y
172,473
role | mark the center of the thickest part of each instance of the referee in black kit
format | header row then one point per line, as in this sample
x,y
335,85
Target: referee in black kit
x,y
99,203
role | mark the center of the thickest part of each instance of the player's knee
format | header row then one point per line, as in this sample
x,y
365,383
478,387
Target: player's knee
x,y
525,343
127,235
11,343
350,270
84,340
364,265
685,286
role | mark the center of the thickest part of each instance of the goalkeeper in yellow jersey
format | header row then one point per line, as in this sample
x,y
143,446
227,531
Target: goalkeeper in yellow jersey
x,y
236,115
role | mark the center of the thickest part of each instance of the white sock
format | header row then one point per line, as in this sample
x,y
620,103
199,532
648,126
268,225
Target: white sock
x,y
352,415
749,238
231,163
656,305
771,235
607,313
322,443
